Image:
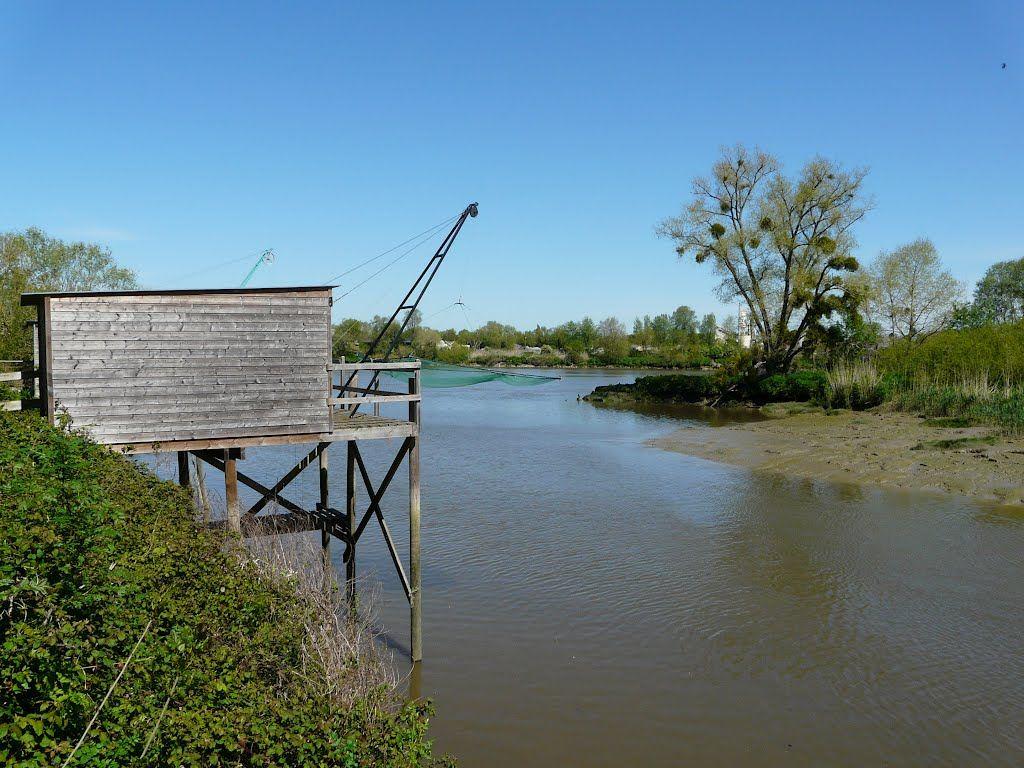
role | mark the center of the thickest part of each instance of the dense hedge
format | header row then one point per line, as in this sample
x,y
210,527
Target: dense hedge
x,y
681,388
689,388
789,387
91,551
993,350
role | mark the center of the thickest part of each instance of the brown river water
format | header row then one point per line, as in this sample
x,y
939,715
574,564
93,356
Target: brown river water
x,y
592,601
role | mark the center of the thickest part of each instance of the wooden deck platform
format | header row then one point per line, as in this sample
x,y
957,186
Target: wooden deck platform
x,y
347,426
365,426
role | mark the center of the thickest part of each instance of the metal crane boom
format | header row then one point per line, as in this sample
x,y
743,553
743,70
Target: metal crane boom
x,y
412,300
409,303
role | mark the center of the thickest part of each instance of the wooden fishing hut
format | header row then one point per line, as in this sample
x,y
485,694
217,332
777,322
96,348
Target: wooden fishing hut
x,y
213,372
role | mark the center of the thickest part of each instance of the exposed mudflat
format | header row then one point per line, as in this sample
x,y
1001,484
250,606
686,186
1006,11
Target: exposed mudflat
x,y
891,450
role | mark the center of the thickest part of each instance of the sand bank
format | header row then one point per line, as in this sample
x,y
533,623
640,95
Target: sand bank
x,y
890,450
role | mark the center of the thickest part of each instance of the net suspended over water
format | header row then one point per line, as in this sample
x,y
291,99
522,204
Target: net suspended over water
x,y
439,375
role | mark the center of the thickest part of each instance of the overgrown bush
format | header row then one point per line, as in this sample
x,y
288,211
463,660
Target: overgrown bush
x,y
456,354
798,386
690,388
681,388
103,572
643,360
995,351
975,373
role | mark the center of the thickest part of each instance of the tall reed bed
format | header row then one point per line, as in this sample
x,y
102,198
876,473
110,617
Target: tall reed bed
x,y
975,395
974,373
854,384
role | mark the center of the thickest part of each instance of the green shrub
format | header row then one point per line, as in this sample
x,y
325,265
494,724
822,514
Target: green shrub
x,y
799,386
97,556
7,392
682,388
456,354
996,351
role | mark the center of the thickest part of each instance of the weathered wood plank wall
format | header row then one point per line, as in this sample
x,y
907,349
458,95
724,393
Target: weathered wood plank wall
x,y
158,367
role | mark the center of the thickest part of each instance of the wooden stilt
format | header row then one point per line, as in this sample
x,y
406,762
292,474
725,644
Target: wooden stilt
x,y
204,500
325,535
231,491
350,521
416,681
415,603
183,478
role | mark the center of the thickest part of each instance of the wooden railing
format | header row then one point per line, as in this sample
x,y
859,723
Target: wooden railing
x,y
352,396
25,382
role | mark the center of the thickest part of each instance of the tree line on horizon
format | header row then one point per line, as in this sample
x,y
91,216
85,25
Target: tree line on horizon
x,y
783,247
675,339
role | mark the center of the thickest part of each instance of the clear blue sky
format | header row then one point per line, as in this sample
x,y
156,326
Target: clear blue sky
x,y
195,133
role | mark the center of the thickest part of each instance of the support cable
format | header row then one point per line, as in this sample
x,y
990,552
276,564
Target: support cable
x,y
432,230
386,267
410,303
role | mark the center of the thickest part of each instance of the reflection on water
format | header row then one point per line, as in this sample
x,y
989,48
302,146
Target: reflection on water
x,y
591,601
715,417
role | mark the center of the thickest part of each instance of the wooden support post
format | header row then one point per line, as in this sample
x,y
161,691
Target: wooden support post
x,y
415,601
416,682
350,522
35,359
325,535
183,478
204,500
231,490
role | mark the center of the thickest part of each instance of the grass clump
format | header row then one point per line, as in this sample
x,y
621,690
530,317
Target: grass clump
x,y
974,376
970,397
957,443
854,384
949,422
949,400
152,641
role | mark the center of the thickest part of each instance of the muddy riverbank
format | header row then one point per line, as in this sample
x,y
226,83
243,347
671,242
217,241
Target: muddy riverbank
x,y
889,450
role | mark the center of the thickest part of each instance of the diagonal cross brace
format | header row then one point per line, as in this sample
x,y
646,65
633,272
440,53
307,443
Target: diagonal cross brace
x,y
287,479
376,496
269,494
375,510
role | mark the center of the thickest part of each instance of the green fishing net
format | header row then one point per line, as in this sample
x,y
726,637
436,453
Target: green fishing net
x,y
441,375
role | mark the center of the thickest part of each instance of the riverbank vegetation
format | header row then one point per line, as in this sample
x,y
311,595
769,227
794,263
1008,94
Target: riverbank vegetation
x,y
973,374
825,330
677,340
132,636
